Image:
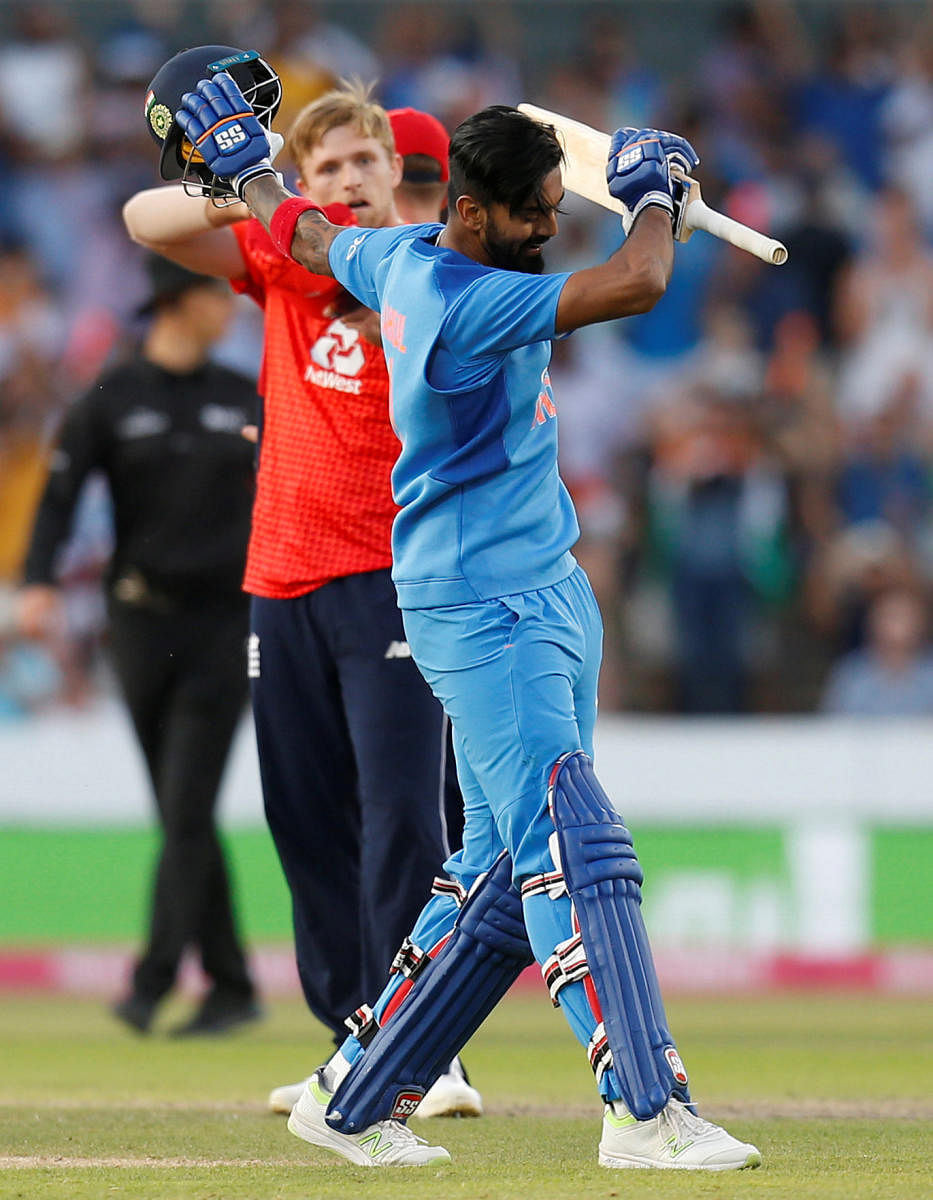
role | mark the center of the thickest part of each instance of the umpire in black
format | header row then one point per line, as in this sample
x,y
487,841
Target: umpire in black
x,y
165,430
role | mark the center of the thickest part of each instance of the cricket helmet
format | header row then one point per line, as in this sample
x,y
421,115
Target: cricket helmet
x,y
178,159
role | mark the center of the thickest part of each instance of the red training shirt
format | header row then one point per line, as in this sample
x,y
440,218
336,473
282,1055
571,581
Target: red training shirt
x,y
323,505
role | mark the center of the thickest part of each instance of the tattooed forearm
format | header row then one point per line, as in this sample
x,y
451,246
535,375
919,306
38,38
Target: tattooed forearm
x,y
313,236
313,233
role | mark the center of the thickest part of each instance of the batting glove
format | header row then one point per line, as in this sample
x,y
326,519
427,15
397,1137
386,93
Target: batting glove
x,y
638,172
680,155
222,127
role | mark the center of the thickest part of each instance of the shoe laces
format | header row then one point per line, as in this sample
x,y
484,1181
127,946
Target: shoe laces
x,y
400,1131
684,1121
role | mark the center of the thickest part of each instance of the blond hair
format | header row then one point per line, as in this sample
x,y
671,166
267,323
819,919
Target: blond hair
x,y
348,104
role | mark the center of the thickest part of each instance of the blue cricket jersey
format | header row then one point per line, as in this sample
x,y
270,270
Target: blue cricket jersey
x,y
483,510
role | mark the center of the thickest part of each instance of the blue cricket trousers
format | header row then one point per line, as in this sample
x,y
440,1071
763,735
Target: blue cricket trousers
x,y
518,678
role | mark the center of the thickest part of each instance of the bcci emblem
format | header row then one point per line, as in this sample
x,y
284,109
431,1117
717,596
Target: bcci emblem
x,y
159,116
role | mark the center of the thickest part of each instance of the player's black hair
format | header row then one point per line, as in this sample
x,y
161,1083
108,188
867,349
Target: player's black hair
x,y
500,156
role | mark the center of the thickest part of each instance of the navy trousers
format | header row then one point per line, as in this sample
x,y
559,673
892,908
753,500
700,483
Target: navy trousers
x,y
353,755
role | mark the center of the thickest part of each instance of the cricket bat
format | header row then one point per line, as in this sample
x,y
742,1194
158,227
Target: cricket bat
x,y
586,152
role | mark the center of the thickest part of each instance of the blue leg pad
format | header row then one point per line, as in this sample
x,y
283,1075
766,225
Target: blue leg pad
x,y
603,878
447,1003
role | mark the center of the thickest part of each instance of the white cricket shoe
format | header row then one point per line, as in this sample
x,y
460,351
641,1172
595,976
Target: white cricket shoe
x,y
675,1139
451,1095
384,1144
283,1099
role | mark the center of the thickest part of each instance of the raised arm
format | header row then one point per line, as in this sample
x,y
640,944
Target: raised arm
x,y
190,230
235,146
635,278
632,281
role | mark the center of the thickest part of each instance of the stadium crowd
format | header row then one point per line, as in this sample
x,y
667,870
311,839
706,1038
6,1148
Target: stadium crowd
x,y
752,461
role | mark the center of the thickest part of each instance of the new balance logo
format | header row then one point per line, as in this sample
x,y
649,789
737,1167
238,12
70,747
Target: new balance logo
x,y
374,1144
675,1147
398,650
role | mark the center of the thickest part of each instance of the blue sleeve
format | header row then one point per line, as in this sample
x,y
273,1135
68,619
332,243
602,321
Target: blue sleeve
x,y
500,311
356,255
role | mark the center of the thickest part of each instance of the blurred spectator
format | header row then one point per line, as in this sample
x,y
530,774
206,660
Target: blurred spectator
x,y
819,244
603,80
907,121
32,338
856,565
884,314
728,361
885,475
892,675
309,53
29,680
449,60
717,514
842,97
43,57
597,426
800,424
47,142
743,80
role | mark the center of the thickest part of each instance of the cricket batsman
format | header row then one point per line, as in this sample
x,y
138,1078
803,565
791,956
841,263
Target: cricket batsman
x,y
501,622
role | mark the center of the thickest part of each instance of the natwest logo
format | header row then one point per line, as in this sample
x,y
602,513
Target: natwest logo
x,y
336,359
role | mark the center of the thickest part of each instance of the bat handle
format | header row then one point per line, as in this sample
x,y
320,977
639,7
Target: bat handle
x,y
699,216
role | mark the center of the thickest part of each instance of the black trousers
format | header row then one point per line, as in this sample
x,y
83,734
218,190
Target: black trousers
x,y
182,671
352,752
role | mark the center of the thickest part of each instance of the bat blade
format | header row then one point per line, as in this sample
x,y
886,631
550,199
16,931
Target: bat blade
x,y
586,151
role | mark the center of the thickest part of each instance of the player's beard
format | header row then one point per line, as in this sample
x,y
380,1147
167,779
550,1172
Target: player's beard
x,y
511,255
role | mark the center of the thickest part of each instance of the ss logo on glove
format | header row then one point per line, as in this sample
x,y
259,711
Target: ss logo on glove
x,y
228,139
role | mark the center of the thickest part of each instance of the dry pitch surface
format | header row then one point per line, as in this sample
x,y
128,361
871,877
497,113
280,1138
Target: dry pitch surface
x,y
836,1090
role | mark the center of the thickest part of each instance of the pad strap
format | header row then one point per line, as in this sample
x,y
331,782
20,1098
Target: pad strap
x,y
447,1002
550,884
362,1024
409,961
284,220
598,1052
566,965
442,886
604,879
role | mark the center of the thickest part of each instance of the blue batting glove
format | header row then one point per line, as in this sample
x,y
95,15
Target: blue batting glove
x,y
677,150
222,127
638,172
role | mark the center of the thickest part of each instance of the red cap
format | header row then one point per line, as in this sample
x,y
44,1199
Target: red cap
x,y
419,133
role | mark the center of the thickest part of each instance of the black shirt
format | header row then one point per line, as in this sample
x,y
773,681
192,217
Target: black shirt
x,y
179,470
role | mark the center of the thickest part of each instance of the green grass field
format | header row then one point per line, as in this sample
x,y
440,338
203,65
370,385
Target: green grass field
x,y
837,1091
